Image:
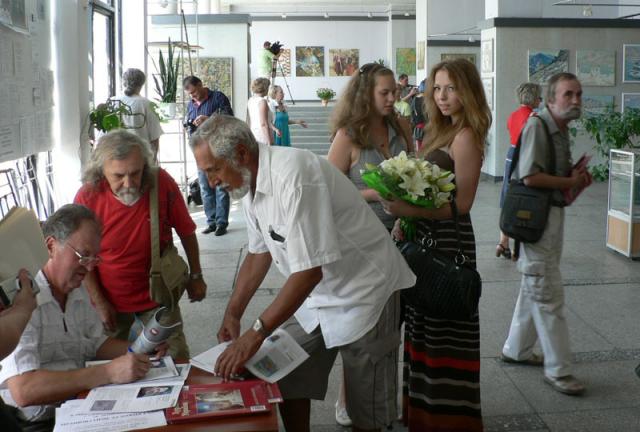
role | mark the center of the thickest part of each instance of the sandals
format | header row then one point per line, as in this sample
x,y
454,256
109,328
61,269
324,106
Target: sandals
x,y
503,251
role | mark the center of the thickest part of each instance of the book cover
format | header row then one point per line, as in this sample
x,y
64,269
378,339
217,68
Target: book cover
x,y
219,400
571,194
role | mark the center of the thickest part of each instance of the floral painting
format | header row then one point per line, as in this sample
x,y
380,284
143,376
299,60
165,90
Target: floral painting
x,y
309,61
405,61
596,67
631,63
284,63
343,62
543,64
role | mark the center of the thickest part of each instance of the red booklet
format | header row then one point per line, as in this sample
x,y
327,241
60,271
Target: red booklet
x,y
218,400
571,194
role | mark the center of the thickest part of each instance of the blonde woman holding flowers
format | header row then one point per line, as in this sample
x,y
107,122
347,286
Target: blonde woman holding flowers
x,y
365,129
442,357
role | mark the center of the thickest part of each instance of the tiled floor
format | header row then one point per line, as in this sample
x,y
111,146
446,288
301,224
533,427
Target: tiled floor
x,y
603,305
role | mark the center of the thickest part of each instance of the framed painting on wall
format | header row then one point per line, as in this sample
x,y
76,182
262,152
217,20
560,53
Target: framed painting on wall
x,y
405,61
284,63
452,56
217,74
309,61
343,62
596,67
13,13
545,63
486,54
487,83
630,100
420,55
631,63
596,104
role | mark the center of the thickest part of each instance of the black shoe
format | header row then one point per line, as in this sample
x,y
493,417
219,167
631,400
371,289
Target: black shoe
x,y
222,230
209,229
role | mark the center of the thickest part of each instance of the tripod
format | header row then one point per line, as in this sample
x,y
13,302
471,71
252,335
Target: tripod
x,y
275,62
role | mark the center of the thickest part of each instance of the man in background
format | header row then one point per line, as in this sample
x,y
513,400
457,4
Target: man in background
x,y
205,103
408,91
265,61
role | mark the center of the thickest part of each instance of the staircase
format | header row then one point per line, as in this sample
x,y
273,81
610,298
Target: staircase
x,y
316,137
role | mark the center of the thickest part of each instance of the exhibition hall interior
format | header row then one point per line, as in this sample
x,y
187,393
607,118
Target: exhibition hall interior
x,y
278,215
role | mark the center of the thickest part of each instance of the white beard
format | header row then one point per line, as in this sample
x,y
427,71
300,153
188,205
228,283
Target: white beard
x,y
128,196
239,192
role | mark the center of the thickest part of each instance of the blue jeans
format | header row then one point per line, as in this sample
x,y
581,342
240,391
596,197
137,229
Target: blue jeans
x,y
216,202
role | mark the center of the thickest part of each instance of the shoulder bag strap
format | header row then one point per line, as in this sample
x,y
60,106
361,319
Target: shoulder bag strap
x,y
153,216
460,257
552,149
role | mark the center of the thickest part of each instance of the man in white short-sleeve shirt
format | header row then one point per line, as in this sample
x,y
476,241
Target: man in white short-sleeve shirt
x,y
47,366
343,271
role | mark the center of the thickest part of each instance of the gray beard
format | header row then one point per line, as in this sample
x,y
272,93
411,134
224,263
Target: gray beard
x,y
239,192
572,114
128,196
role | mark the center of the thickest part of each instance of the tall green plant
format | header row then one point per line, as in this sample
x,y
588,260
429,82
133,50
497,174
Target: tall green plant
x,y
167,86
611,130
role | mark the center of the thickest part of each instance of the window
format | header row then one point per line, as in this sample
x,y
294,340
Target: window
x,y
102,83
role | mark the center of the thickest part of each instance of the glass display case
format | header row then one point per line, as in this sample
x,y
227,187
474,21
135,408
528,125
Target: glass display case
x,y
623,216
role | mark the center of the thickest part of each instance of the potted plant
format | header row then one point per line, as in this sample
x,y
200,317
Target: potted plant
x,y
108,115
610,130
325,94
167,84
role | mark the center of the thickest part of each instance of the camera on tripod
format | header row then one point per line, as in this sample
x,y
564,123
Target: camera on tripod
x,y
275,48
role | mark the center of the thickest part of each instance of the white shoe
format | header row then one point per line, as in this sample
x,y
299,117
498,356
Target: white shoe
x,y
342,418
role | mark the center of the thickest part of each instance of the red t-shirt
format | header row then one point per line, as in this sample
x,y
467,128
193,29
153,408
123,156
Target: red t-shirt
x,y
516,122
126,239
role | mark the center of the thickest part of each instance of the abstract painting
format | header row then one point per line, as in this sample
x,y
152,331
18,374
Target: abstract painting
x,y
452,56
487,83
596,104
545,63
284,61
343,62
309,61
217,74
596,67
631,63
420,55
487,55
405,61
630,100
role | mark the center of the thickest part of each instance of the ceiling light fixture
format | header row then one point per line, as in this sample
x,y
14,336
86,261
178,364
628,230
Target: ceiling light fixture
x,y
369,15
284,16
406,14
326,15
587,11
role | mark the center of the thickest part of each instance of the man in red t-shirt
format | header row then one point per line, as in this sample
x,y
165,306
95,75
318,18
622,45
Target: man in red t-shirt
x,y
530,97
116,187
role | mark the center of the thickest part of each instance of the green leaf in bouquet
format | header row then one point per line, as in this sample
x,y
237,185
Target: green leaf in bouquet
x,y
375,181
370,167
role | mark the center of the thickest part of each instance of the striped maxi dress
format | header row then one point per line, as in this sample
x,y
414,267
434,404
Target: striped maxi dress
x,y
441,376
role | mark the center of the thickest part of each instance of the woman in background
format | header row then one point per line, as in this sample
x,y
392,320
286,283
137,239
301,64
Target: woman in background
x,y
442,356
529,96
365,129
282,120
259,116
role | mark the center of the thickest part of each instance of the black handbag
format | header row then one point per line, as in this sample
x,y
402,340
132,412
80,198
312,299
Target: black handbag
x,y
446,287
525,209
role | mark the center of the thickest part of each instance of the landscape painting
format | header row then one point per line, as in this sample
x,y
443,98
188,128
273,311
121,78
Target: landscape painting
x,y
284,61
309,61
343,62
630,100
406,61
545,63
596,104
631,63
596,67
452,56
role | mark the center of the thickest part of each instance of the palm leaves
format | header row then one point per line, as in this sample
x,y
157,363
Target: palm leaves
x,y
167,86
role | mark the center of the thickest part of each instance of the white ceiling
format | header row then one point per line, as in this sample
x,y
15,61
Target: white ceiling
x,y
312,7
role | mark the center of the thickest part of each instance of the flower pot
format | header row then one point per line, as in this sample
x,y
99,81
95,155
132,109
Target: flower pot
x,y
325,102
169,109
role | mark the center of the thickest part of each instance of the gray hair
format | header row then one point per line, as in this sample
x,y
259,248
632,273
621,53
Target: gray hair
x,y
223,134
132,81
528,93
553,83
67,220
117,145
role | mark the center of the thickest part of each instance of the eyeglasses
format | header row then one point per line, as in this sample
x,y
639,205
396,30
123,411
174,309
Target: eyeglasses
x,y
366,68
85,260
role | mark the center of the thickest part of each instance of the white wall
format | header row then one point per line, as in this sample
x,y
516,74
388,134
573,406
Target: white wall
x,y
448,16
511,69
369,37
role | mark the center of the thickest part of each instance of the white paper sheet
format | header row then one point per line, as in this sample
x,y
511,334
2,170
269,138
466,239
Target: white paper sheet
x,y
163,368
130,398
277,357
10,142
68,420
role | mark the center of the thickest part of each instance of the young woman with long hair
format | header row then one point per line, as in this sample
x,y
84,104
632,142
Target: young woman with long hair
x,y
442,357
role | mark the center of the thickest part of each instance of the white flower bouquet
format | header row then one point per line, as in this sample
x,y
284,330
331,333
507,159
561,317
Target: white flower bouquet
x,y
413,180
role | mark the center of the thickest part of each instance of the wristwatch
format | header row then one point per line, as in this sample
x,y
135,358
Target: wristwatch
x,y
195,276
258,326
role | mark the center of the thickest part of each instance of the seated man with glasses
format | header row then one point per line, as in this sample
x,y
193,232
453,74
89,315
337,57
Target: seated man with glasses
x,y
47,366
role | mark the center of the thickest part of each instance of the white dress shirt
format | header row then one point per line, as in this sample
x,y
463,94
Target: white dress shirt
x,y
53,340
306,213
